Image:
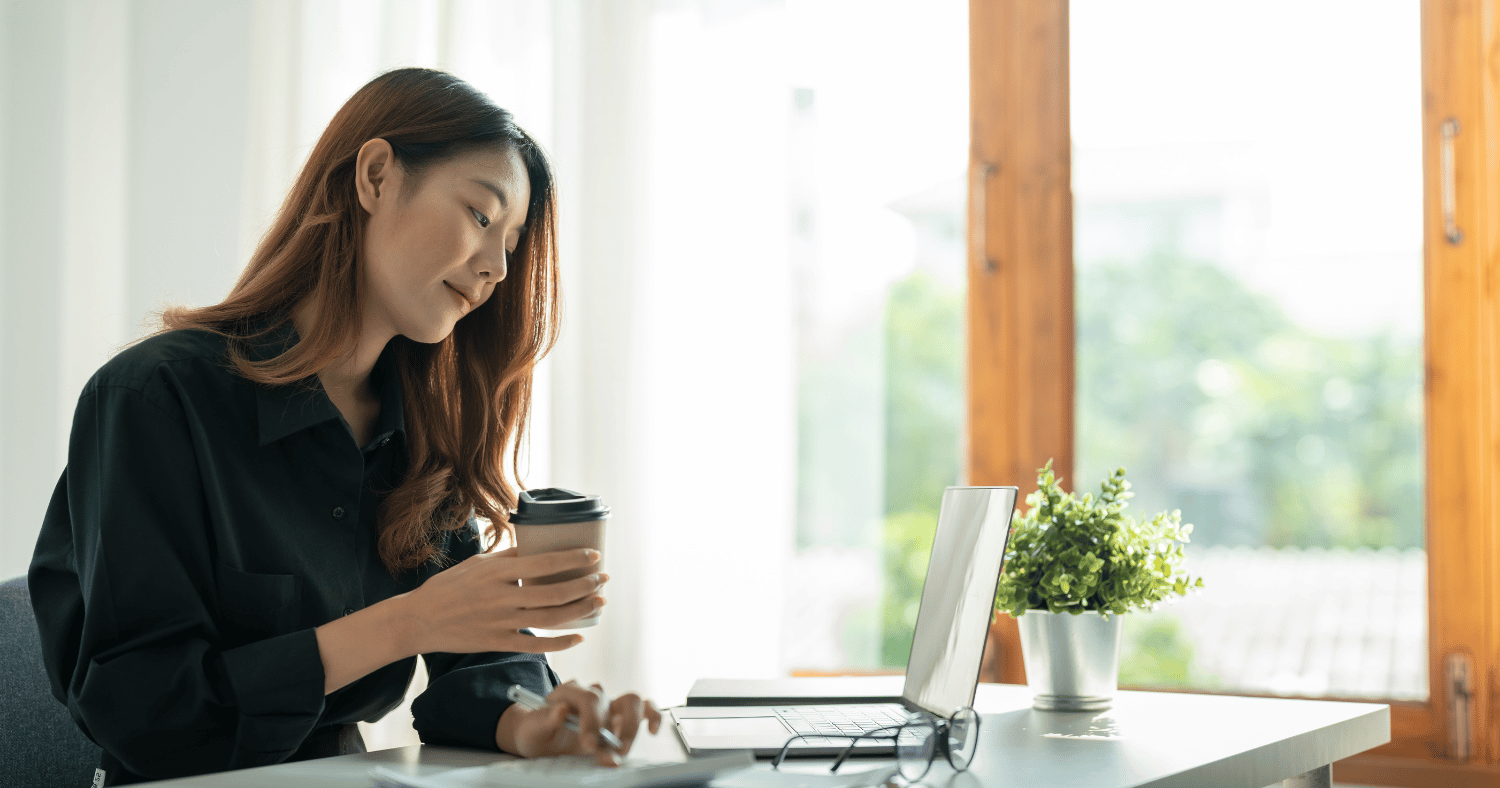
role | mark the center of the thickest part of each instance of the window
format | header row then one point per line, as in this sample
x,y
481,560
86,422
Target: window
x,y
1021,395
876,180
1248,312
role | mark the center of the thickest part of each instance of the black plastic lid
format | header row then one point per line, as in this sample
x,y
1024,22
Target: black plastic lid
x,y
554,506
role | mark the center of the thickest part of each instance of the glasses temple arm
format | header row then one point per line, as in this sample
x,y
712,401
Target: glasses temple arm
x,y
843,756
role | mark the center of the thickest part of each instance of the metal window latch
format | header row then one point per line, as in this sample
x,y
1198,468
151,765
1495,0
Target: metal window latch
x,y
1455,236
1459,674
979,198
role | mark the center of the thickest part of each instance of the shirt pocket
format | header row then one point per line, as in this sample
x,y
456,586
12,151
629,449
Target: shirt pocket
x,y
257,606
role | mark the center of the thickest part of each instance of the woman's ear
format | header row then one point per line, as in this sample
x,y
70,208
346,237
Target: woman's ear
x,y
376,174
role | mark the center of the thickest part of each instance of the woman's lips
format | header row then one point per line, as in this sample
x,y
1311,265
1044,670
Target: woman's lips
x,y
467,304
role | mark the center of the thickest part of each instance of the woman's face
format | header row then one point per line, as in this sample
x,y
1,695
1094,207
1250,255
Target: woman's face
x,y
434,250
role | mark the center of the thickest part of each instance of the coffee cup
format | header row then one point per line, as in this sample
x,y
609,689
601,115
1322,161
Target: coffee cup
x,y
551,519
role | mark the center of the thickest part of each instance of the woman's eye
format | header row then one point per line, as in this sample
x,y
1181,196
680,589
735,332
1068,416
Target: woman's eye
x,y
483,220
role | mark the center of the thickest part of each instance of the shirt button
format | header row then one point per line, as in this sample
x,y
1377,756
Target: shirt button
x,y
384,441
348,610
338,512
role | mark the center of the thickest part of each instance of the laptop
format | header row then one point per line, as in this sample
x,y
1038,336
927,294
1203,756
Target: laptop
x,y
942,673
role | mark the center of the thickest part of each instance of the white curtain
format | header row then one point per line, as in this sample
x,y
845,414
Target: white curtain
x,y
145,145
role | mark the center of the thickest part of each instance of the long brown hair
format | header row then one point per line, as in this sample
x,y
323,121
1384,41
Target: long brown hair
x,y
466,397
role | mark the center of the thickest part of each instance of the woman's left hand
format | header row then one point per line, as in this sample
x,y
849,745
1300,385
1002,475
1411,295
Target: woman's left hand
x,y
538,733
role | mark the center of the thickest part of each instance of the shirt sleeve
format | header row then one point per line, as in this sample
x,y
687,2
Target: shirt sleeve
x,y
127,601
465,693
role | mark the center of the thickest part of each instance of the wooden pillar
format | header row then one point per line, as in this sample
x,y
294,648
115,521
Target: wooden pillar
x,y
1461,84
1020,292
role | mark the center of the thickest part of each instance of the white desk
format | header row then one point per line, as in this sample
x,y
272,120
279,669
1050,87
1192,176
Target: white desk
x,y
1162,740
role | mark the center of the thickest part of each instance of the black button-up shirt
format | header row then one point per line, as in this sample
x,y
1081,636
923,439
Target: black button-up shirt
x,y
203,527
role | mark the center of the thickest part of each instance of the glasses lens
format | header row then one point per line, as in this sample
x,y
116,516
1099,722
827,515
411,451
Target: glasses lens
x,y
914,745
963,737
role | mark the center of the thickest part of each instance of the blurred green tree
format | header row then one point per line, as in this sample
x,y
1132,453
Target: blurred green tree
x,y
924,395
924,405
1157,654
1261,431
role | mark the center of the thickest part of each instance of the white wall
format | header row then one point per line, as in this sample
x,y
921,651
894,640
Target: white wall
x,y
189,78
121,152
30,295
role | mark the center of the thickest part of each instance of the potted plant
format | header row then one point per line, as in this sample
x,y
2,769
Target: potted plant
x,y
1072,566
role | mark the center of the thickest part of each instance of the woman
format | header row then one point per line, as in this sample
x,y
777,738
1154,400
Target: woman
x,y
273,505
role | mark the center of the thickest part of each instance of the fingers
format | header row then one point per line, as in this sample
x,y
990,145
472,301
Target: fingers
x,y
606,755
653,716
506,620
495,577
554,617
481,605
554,594
583,702
622,716
563,740
500,628
530,644
625,714
546,606
511,567
544,732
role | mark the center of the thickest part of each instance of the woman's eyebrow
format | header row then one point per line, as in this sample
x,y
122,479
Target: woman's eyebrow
x,y
504,203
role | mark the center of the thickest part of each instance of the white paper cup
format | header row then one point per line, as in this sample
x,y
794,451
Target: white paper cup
x,y
552,519
537,539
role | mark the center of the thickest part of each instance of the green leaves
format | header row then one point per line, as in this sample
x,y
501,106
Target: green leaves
x,y
1068,554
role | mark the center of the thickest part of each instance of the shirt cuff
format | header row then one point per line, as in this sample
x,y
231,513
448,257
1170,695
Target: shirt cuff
x,y
462,707
278,687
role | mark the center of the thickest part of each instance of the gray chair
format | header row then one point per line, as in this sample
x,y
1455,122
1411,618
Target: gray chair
x,y
39,744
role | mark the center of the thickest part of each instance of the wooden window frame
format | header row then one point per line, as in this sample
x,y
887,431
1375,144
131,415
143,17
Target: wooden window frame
x,y
1021,339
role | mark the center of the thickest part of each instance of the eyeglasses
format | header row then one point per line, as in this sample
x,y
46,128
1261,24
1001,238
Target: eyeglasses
x,y
917,743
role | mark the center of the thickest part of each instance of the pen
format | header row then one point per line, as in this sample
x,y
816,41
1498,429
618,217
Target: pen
x,y
531,700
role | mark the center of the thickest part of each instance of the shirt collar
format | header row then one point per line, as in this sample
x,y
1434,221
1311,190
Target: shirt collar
x,y
386,380
283,410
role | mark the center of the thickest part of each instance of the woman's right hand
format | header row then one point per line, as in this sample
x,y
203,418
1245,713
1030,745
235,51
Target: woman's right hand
x,y
480,605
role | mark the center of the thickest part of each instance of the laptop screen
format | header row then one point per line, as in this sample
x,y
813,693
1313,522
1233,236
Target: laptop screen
x,y
958,597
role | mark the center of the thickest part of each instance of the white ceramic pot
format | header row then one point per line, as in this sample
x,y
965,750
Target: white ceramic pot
x,y
1072,661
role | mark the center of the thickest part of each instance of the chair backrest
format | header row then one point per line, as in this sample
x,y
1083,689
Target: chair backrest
x,y
41,745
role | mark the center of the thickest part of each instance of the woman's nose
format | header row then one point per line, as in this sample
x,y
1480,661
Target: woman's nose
x,y
491,268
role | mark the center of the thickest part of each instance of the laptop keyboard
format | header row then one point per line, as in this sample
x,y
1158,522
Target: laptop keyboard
x,y
841,720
